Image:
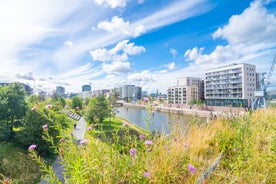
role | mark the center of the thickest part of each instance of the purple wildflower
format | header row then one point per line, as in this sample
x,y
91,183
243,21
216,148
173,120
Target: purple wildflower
x,y
132,151
84,141
45,127
186,145
33,109
32,147
148,142
89,128
62,139
191,168
147,174
142,136
125,124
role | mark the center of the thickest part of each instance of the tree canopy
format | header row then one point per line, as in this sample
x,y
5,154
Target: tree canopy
x,y
98,108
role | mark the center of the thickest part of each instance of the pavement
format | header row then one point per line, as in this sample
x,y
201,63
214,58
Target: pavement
x,y
78,132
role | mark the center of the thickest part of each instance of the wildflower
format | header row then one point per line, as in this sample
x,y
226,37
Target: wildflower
x,y
235,149
191,168
141,136
132,152
48,106
147,174
148,142
125,124
7,181
84,141
89,128
45,127
77,108
62,139
33,109
32,147
186,145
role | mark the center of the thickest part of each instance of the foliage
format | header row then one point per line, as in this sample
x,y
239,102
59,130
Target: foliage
x,y
12,104
98,109
76,103
34,98
246,142
17,165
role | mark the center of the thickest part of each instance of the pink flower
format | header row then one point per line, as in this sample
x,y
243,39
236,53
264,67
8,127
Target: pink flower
x,y
32,147
48,106
142,136
89,128
62,139
78,108
45,127
132,151
186,145
84,141
125,124
147,174
33,109
148,142
191,168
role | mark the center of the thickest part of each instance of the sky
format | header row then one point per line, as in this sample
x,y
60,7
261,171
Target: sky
x,y
147,43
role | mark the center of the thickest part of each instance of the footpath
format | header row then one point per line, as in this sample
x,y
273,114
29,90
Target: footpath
x,y
78,133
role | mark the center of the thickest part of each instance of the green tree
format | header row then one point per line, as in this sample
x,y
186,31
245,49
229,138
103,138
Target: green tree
x,y
76,102
12,104
98,108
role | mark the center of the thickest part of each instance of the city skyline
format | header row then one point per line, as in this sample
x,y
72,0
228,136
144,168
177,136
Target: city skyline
x,y
110,43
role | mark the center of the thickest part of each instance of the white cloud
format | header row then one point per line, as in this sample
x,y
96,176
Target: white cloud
x,y
117,67
140,1
253,26
173,52
250,36
118,24
112,3
144,76
171,66
126,48
69,44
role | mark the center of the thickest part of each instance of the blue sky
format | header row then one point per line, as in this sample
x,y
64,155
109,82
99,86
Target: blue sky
x,y
149,43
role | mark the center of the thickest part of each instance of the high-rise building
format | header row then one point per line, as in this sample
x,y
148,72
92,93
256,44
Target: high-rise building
x,y
231,85
86,88
60,90
186,90
130,92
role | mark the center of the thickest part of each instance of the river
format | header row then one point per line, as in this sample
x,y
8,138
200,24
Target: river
x,y
157,121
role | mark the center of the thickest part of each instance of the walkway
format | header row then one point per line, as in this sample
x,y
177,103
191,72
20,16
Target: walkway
x,y
79,135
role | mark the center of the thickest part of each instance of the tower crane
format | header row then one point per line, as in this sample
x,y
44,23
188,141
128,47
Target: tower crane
x,y
260,96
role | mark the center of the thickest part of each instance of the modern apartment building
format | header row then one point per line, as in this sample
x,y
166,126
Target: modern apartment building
x,y
86,88
231,85
60,91
186,90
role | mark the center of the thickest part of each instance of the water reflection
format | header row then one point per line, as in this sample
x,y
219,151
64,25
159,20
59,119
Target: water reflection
x,y
153,121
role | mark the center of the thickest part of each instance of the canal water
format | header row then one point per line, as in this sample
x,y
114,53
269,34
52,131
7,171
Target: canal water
x,y
154,121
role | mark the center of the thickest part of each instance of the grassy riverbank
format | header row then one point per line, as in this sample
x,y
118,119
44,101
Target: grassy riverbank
x,y
242,148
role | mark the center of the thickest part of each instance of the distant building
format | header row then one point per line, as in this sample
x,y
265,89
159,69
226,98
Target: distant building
x,y
60,91
86,88
186,90
42,94
130,92
231,85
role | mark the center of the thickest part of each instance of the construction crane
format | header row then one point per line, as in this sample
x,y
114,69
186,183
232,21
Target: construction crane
x,y
260,96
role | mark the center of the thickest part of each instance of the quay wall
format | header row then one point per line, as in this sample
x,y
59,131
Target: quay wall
x,y
201,111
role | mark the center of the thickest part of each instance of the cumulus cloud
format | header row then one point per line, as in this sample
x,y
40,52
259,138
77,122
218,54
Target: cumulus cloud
x,y
171,66
144,76
118,24
113,54
69,44
173,52
117,67
254,25
140,1
25,76
112,3
250,35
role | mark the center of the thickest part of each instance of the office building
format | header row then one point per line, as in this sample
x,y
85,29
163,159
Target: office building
x,y
186,90
231,85
60,91
86,88
130,92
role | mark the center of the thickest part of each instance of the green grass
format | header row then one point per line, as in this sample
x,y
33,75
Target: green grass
x,y
15,163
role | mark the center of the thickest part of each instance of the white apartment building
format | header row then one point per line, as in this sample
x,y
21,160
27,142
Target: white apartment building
x,y
186,90
231,85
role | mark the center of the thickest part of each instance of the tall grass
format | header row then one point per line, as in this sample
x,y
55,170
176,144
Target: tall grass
x,y
113,153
